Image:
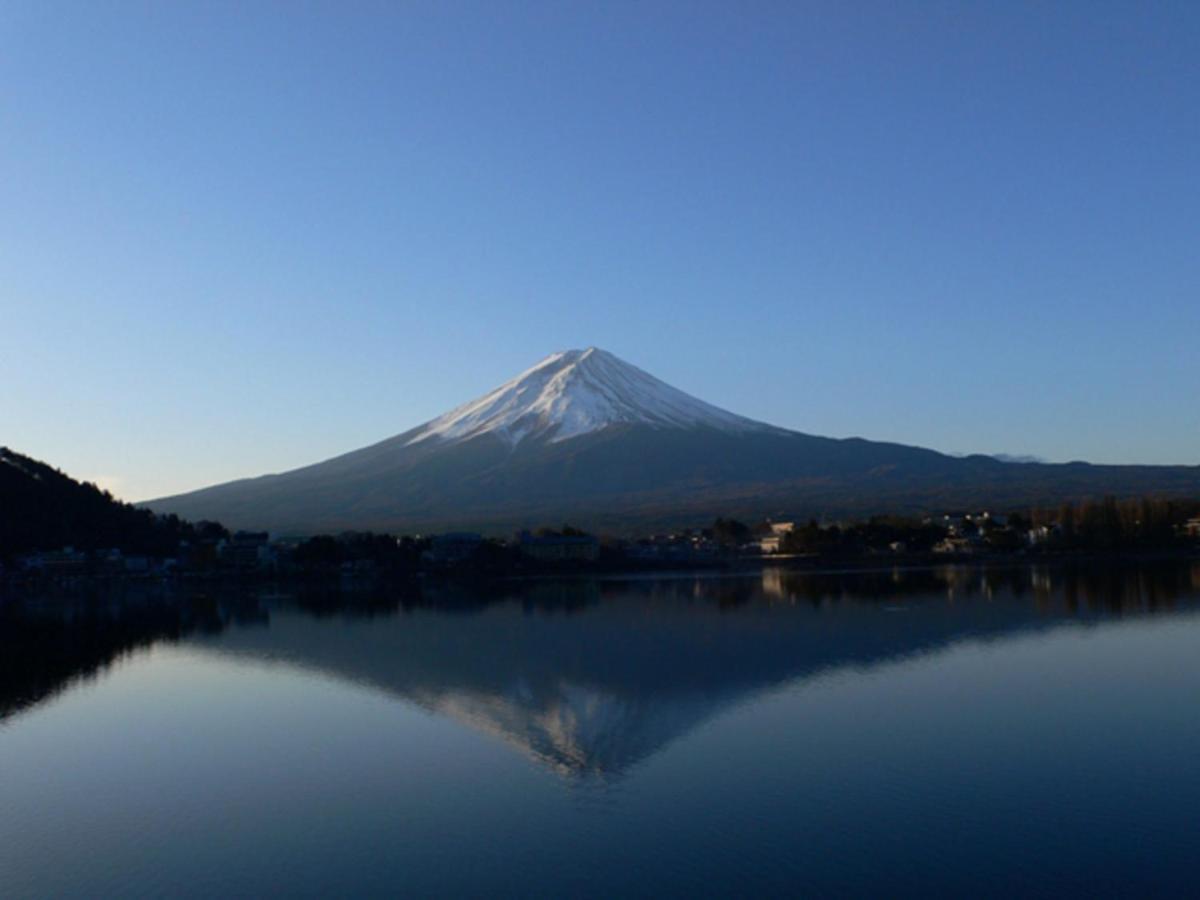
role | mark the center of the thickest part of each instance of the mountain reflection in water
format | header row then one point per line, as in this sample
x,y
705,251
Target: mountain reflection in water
x,y
588,677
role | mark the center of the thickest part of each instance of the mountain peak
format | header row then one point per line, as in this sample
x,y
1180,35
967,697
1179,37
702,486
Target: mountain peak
x,y
575,392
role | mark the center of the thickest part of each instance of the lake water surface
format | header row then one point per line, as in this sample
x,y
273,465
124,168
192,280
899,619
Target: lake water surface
x,y
1030,731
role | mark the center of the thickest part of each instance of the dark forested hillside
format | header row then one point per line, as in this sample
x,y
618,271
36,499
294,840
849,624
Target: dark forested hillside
x,y
43,509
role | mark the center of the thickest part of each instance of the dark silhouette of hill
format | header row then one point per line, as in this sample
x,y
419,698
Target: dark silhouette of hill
x,y
43,509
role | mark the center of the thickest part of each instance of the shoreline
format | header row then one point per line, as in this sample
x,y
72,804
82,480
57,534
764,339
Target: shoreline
x,y
731,567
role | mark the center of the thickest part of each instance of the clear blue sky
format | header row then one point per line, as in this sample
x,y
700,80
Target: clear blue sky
x,y
240,237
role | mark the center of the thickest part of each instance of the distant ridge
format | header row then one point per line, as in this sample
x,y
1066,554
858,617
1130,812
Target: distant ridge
x,y
586,437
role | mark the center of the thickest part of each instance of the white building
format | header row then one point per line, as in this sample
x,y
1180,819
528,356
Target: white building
x,y
770,543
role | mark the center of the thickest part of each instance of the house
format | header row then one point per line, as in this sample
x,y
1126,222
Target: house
x,y
1040,534
954,524
559,547
1192,527
67,561
954,545
246,550
772,542
986,518
673,548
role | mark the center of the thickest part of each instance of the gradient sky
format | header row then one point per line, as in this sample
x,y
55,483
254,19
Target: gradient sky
x,y
240,237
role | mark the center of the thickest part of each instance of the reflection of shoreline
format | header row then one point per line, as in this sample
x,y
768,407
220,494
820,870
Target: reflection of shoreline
x,y
15,583
1114,587
591,688
42,655
47,645
587,677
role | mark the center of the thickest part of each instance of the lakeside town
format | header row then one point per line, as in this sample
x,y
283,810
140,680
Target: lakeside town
x,y
212,552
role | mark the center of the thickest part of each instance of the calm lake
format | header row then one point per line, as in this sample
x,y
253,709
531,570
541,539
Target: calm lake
x,y
1029,731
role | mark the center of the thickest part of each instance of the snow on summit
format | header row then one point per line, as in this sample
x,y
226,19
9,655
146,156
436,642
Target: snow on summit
x,y
576,392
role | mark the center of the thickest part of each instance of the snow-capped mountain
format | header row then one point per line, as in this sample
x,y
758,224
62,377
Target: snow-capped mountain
x,y
588,438
576,392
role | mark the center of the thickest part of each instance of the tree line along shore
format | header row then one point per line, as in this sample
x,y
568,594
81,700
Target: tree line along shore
x,y
54,527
